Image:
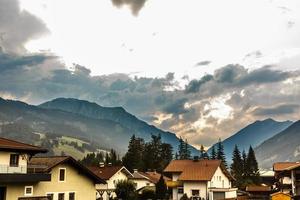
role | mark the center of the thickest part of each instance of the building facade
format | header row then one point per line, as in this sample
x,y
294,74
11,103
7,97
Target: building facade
x,y
200,179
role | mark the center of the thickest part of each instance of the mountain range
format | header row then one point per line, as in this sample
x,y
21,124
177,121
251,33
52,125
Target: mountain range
x,y
76,127
100,127
284,146
253,134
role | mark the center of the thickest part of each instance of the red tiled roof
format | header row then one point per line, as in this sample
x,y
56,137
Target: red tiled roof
x,y
282,166
154,176
201,170
105,172
7,144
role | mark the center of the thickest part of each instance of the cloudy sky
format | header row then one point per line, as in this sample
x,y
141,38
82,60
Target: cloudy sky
x,y
200,68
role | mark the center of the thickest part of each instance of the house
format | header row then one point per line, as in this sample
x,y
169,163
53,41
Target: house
x,y
287,176
147,180
15,179
200,179
69,179
142,180
261,192
111,174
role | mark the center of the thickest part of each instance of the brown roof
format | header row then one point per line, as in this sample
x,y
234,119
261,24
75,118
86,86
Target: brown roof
x,y
12,145
45,164
282,166
107,172
201,170
258,188
154,176
139,175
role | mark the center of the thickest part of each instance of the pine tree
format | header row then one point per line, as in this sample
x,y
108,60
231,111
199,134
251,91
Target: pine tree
x,y
181,151
187,152
253,166
166,154
245,166
161,189
213,155
133,158
220,153
237,167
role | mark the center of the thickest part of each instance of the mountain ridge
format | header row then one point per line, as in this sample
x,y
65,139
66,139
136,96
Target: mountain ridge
x,y
253,134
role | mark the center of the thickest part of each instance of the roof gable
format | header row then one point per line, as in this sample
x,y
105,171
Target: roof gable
x,y
46,164
283,166
200,170
108,172
12,145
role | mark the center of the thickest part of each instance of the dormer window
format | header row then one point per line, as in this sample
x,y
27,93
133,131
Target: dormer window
x,y
14,160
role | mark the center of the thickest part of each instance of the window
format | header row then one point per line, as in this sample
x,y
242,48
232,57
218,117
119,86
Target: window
x,y
50,196
28,191
195,193
72,196
61,196
62,174
180,190
147,184
14,160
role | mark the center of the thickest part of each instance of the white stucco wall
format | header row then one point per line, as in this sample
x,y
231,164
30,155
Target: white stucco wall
x,y
111,183
140,183
4,163
188,186
231,194
219,180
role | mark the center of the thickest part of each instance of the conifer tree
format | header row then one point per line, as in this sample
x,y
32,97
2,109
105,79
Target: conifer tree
x,y
187,152
161,189
220,153
253,166
237,167
245,167
133,158
213,155
181,152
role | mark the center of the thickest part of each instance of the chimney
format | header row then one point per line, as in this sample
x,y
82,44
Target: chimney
x,y
135,170
196,158
110,164
101,164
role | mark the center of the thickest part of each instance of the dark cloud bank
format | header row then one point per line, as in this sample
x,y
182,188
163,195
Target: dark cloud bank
x,y
246,95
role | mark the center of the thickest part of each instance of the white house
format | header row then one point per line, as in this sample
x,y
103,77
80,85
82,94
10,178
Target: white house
x,y
111,174
142,180
200,179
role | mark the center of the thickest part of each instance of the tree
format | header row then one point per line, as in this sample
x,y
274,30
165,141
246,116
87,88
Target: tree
x,y
133,158
220,153
125,190
253,166
245,166
166,154
181,149
213,155
187,151
152,154
237,167
161,189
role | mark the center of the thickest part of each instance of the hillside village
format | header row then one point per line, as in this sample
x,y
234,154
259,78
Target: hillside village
x,y
27,174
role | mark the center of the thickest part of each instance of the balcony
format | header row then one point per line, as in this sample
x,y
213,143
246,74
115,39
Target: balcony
x,y
174,184
7,169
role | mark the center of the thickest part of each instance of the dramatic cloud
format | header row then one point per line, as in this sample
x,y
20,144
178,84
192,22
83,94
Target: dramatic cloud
x,y
203,63
17,26
135,5
201,111
277,110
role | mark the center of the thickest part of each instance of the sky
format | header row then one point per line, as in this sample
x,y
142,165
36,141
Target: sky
x,y
201,69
